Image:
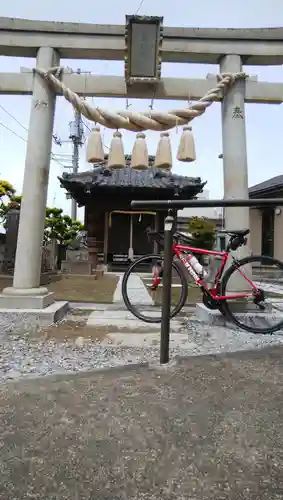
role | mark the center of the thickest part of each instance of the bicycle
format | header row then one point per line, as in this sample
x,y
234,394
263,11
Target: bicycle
x,y
213,282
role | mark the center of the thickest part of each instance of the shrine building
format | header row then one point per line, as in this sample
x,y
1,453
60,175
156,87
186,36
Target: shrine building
x,y
115,232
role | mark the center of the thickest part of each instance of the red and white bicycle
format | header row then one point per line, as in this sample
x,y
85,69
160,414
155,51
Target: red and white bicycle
x,y
261,296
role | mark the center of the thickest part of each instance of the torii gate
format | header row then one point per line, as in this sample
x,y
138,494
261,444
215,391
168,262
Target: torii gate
x,y
48,41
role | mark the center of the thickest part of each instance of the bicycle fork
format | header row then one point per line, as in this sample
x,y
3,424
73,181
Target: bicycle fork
x,y
157,277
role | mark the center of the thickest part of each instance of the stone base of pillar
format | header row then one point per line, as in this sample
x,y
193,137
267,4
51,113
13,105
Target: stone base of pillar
x,y
26,310
31,298
215,318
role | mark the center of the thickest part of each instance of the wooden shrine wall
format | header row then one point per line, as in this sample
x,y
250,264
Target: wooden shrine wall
x,y
110,243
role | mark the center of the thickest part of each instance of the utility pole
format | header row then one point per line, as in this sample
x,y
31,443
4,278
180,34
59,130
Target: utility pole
x,y
76,136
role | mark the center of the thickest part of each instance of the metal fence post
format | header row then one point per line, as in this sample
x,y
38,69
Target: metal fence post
x,y
166,292
178,204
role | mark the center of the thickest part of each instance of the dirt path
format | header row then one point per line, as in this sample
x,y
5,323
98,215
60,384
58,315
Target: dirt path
x,y
210,429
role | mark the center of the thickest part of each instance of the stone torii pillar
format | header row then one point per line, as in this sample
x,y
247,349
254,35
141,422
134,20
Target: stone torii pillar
x,y
235,164
26,291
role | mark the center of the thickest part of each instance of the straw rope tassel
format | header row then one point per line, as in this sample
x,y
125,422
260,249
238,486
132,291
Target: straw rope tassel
x,y
140,153
94,151
187,151
116,158
163,157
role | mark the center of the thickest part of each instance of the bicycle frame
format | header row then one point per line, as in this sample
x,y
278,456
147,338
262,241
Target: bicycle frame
x,y
213,292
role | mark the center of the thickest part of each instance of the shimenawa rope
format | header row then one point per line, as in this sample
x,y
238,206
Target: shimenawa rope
x,y
135,121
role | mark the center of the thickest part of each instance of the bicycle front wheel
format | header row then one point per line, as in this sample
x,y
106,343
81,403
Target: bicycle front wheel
x,y
142,288
262,310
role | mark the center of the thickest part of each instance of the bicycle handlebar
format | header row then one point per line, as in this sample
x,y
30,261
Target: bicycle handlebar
x,y
235,241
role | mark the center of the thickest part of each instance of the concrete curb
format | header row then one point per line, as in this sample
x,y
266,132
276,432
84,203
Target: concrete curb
x,y
250,353
84,373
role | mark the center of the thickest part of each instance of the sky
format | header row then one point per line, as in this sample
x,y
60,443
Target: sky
x,y
263,122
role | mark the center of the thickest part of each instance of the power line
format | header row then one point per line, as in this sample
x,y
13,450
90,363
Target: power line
x,y
12,132
14,118
86,126
139,7
57,161
22,138
55,138
24,128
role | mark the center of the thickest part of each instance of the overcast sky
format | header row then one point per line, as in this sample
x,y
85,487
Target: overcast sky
x,y
264,123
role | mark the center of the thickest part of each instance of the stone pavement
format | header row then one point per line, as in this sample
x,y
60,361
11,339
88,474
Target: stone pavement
x,y
136,289
209,429
117,315
122,318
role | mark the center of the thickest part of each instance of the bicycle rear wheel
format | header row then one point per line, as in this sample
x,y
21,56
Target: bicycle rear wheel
x,y
262,311
142,288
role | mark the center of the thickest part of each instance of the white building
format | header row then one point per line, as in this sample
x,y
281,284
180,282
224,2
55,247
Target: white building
x,y
206,212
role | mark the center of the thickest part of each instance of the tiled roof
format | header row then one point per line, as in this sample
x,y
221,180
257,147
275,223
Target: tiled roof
x,y
269,184
154,178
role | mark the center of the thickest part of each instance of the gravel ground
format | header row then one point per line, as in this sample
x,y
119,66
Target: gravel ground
x,y
208,429
25,356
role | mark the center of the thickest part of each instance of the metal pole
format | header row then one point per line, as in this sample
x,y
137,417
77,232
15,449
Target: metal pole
x,y
178,204
166,293
131,249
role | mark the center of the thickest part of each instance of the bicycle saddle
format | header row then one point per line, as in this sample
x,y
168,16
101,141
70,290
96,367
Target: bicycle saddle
x,y
235,232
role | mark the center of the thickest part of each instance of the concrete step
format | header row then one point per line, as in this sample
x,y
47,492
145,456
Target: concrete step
x,y
252,318
124,319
